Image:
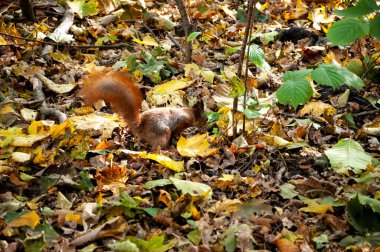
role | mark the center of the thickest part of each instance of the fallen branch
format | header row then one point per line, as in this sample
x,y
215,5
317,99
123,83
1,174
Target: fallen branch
x,y
63,28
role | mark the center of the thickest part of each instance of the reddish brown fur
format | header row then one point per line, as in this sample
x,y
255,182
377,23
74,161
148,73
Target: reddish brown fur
x,y
155,126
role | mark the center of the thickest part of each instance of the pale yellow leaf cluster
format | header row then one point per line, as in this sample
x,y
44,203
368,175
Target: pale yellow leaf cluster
x,y
194,146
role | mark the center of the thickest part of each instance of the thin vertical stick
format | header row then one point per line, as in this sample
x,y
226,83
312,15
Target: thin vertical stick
x,y
241,59
188,27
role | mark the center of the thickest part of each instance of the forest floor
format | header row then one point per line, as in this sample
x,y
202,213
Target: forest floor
x,y
72,178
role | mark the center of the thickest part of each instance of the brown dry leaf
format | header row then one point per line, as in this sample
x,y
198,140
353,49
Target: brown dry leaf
x,y
225,207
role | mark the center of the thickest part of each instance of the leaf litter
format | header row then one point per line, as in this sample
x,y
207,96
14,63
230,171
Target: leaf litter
x,y
298,179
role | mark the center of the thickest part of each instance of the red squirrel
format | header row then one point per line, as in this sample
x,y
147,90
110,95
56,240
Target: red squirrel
x,y
154,126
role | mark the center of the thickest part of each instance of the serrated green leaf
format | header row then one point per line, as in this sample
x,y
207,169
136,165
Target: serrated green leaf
x,y
296,88
193,36
348,154
327,74
346,31
257,56
351,79
363,7
335,76
374,27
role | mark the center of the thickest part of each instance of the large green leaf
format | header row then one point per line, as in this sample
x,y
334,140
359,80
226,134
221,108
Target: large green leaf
x,y
351,79
374,27
363,7
348,154
346,31
335,76
327,74
296,88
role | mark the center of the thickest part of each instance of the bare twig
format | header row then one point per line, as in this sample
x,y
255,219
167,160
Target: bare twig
x,y
241,59
120,45
188,27
26,39
368,112
176,43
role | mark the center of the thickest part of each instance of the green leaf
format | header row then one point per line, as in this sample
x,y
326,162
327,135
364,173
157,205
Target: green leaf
x,y
231,50
212,116
193,36
348,154
363,7
104,39
363,214
84,8
296,88
237,87
124,246
288,191
251,113
367,178
374,27
351,79
34,243
151,211
47,230
86,183
155,244
257,56
373,238
241,15
195,236
194,189
327,74
345,31
159,182
321,241
335,76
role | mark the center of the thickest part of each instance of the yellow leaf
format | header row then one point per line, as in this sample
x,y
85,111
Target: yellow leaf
x,y
316,207
191,69
171,86
194,211
195,146
3,41
176,166
73,217
225,181
316,108
30,219
147,40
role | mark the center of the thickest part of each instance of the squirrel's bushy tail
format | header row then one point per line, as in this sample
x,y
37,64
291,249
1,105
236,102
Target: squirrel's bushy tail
x,y
116,88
